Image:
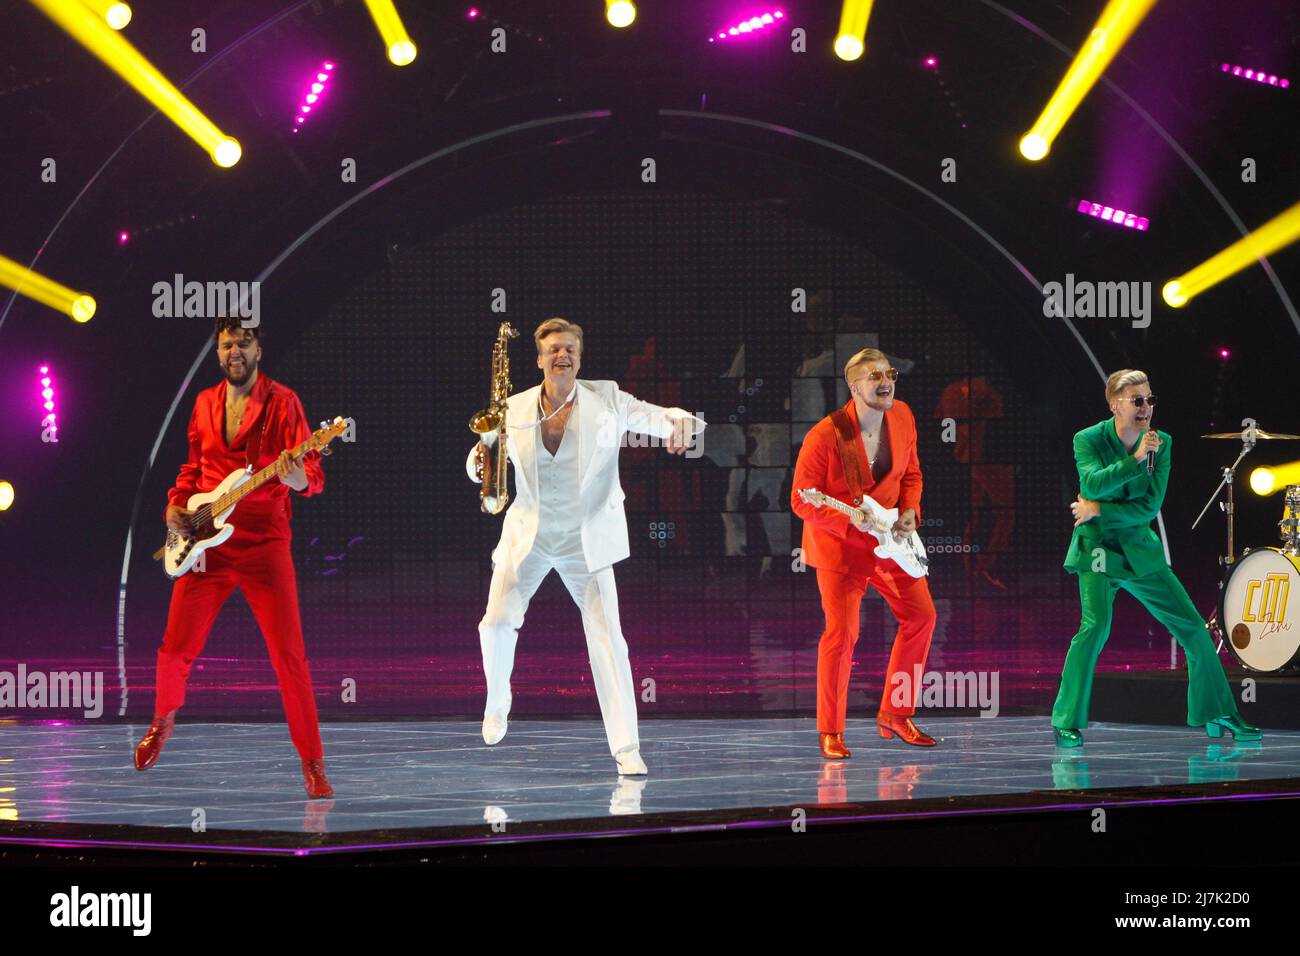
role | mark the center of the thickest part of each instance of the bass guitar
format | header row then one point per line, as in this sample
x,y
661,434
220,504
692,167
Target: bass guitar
x,y
211,509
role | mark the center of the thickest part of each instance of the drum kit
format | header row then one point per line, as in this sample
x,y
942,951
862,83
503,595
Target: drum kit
x,y
1257,613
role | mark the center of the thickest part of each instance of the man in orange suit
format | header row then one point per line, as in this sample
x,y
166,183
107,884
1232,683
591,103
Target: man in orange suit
x,y
247,419
868,447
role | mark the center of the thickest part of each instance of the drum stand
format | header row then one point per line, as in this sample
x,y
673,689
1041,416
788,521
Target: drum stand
x,y
1228,508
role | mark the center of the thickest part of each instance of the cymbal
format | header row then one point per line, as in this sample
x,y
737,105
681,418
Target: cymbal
x,y
1259,433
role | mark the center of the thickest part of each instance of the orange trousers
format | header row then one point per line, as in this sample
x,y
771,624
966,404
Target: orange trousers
x,y
257,560
909,599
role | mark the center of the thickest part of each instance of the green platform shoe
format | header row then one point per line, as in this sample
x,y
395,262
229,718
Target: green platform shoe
x,y
1239,729
1070,738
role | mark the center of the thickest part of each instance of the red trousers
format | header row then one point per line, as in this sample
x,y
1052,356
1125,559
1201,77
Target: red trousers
x,y
909,599
258,562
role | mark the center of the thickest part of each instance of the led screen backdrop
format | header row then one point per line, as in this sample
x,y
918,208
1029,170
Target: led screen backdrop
x,y
685,300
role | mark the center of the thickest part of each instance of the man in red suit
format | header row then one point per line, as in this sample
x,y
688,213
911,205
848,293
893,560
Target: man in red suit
x,y
868,447
248,419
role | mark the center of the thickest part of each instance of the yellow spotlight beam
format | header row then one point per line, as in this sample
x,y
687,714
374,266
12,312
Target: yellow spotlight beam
x,y
116,15
1282,230
397,42
620,13
1271,478
6,495
120,56
45,291
851,39
1119,19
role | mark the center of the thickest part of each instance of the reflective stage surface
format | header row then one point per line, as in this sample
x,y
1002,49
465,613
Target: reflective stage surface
x,y
224,780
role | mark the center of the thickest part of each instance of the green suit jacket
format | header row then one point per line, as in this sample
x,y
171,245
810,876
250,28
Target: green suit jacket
x,y
1129,499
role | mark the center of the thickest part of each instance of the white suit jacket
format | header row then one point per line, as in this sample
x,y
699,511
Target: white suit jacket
x,y
603,413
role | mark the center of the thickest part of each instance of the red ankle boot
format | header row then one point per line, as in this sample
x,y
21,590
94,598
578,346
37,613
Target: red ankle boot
x,y
894,725
151,744
313,776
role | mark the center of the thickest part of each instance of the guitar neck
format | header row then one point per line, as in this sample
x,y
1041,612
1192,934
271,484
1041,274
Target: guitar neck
x,y
842,508
236,495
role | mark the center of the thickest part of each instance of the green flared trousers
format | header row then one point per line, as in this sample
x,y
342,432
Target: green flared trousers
x,y
1161,593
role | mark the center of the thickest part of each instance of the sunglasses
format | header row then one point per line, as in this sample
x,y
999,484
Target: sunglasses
x,y
1140,400
876,376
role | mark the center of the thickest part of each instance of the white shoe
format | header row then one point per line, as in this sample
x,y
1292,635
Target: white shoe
x,y
630,764
494,728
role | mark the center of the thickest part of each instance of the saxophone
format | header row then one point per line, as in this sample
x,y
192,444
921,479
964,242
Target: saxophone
x,y
494,488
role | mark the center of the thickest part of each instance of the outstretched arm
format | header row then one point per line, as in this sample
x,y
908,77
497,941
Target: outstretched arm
x,y
678,426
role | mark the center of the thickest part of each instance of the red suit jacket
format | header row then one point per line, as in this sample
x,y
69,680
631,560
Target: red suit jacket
x,y
273,421
829,540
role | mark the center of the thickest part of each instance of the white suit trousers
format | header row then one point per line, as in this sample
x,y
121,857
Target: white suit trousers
x,y
597,599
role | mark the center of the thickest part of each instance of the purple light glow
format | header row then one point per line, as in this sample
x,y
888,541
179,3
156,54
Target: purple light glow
x,y
49,425
1110,214
123,237
750,25
314,92
1259,76
472,13
931,61
1225,353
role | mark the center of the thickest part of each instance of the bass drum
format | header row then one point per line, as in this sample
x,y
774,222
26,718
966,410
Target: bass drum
x,y
1260,607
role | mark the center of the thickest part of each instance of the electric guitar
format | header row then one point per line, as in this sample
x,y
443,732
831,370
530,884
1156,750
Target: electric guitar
x,y
210,509
908,553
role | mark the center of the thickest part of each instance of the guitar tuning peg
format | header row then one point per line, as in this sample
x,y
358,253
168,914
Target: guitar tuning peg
x,y
326,450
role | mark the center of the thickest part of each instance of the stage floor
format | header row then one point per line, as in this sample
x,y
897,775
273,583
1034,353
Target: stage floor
x,y
403,783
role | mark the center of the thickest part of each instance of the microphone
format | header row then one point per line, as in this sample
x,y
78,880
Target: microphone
x,y
1151,459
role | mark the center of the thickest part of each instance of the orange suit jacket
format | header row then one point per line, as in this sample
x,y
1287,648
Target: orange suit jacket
x,y
829,539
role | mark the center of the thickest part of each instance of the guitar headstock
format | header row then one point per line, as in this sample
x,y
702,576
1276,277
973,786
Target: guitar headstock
x,y
812,497
327,432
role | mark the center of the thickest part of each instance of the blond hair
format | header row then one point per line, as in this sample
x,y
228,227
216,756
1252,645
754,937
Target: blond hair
x,y
861,358
557,324
1121,380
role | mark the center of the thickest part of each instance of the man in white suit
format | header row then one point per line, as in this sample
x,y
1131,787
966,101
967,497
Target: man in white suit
x,y
563,438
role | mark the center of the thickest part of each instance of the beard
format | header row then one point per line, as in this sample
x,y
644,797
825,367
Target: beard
x,y
249,368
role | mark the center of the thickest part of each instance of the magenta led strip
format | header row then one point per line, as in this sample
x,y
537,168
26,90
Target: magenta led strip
x,y
315,90
1110,214
49,427
1259,76
754,24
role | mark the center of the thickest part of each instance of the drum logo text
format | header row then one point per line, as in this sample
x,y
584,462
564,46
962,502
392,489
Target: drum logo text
x,y
1273,592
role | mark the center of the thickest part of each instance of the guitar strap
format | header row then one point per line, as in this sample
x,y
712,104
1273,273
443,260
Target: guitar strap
x,y
846,434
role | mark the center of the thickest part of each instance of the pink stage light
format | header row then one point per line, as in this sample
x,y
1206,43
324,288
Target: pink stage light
x,y
752,24
315,91
123,237
1225,353
1119,217
472,13
1259,76
49,424
931,61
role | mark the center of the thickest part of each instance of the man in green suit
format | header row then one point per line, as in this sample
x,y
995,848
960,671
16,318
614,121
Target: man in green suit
x,y
1114,547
